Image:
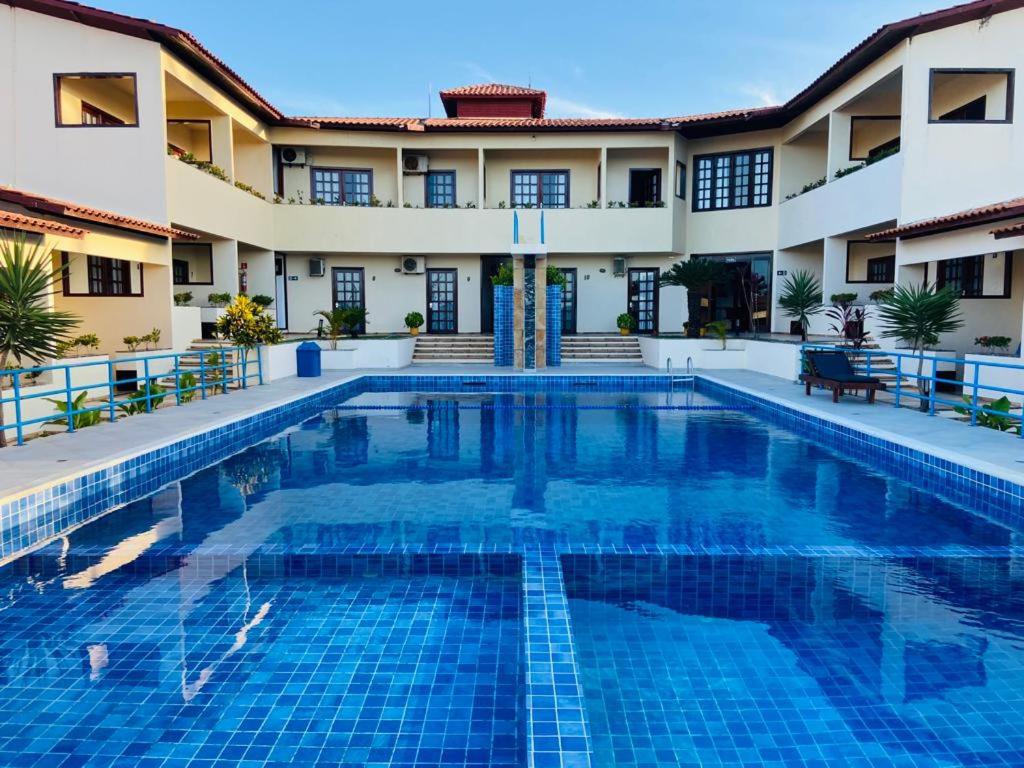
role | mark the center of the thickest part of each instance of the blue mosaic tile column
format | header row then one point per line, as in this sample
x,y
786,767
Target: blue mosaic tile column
x,y
503,311
529,312
554,325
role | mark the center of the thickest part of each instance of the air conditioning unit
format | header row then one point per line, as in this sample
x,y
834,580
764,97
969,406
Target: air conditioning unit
x,y
619,266
412,265
415,163
316,267
293,156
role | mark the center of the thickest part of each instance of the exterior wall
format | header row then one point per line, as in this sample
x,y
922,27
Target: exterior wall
x,y
581,164
382,162
37,154
463,162
620,161
952,167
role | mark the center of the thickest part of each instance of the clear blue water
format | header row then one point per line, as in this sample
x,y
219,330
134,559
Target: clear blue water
x,y
188,630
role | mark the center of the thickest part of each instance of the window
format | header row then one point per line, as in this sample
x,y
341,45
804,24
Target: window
x,y
977,277
95,100
733,180
644,186
191,136
540,189
680,180
192,263
882,269
970,96
341,186
440,189
874,135
102,277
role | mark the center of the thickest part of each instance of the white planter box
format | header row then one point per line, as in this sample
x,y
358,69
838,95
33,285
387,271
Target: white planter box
x,y
186,327
711,359
367,353
1006,378
211,314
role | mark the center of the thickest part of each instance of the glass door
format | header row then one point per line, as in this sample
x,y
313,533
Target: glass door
x,y
349,289
643,298
442,301
569,300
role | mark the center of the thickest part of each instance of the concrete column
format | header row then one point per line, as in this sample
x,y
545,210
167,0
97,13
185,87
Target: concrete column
x,y
400,176
225,269
604,177
838,144
222,145
481,202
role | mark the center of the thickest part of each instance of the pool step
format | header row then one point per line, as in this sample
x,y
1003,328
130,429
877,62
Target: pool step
x,y
476,348
601,348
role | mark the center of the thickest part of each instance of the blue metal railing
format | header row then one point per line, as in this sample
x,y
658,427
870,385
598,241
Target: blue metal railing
x,y
214,370
925,389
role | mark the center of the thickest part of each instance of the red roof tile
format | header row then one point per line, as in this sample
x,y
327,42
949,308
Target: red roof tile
x,y
544,124
358,123
969,218
12,220
55,207
491,89
1014,230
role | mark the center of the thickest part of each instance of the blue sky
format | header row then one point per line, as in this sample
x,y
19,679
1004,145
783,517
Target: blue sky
x,y
595,58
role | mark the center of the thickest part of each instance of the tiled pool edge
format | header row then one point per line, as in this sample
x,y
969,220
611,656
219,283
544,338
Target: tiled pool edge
x,y
999,497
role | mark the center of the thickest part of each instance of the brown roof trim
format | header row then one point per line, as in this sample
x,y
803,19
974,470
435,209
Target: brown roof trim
x,y
53,207
179,41
23,223
1014,230
984,214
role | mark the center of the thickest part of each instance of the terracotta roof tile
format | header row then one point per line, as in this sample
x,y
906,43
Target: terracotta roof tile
x,y
395,123
56,207
1014,230
491,89
19,221
972,216
555,124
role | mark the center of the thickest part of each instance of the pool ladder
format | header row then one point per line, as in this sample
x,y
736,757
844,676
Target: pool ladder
x,y
672,379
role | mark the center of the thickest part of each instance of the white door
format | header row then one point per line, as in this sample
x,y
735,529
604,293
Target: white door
x,y
280,300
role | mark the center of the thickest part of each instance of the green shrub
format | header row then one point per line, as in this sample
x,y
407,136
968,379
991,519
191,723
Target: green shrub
x,y
413,320
626,321
182,299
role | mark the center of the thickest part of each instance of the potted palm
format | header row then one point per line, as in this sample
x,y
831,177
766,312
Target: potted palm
x,y
918,315
29,329
801,298
698,276
413,321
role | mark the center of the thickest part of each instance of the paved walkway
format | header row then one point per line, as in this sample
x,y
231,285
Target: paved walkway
x,y
996,453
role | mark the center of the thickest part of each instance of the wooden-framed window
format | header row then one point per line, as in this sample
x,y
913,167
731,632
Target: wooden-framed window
x,y
970,96
644,186
680,185
540,189
440,189
733,180
95,100
882,269
341,186
100,276
192,263
987,276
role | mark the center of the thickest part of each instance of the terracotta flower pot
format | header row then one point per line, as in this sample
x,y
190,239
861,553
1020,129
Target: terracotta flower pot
x,y
624,331
414,331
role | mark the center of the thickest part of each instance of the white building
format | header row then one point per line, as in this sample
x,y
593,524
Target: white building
x,y
895,165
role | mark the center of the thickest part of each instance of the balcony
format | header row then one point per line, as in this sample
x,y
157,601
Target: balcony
x,y
856,201
199,201
316,228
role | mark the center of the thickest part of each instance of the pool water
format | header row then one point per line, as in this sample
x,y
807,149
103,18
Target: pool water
x,y
481,578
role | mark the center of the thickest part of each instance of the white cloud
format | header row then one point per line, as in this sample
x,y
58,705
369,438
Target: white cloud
x,y
765,94
478,73
559,107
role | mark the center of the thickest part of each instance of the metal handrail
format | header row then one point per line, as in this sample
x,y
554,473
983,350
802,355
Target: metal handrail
x,y
219,374
928,379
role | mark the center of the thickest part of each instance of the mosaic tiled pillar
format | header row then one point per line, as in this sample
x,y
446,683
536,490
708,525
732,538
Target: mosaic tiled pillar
x,y
503,328
529,316
554,325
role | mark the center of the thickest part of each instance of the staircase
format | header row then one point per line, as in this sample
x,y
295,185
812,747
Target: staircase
x,y
601,348
212,361
461,348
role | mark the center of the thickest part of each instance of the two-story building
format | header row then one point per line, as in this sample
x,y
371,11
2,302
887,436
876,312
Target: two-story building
x,y
900,163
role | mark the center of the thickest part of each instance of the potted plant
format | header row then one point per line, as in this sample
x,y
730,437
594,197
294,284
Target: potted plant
x,y
801,298
918,315
626,323
994,344
183,299
413,321
335,325
353,319
29,330
698,276
262,300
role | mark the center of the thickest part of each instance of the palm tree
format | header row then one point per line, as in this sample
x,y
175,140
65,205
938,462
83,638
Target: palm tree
x,y
29,329
698,276
335,319
917,315
801,298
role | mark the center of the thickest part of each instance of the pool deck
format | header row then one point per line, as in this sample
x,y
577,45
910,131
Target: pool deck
x,y
43,462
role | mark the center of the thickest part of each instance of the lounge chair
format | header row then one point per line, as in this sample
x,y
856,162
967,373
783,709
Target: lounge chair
x,y
832,370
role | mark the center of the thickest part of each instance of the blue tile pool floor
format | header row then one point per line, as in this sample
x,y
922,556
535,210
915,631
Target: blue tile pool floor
x,y
544,578
229,670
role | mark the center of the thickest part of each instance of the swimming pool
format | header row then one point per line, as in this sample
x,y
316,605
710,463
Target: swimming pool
x,y
512,571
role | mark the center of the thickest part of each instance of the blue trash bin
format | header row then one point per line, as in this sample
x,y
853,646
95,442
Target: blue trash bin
x,y
307,359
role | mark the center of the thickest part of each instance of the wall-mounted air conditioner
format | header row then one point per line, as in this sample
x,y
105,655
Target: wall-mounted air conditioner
x,y
413,265
415,163
316,267
293,156
619,266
